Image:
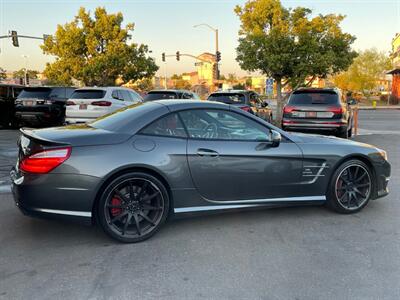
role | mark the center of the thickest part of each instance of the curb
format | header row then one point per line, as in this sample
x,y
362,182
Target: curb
x,y
379,108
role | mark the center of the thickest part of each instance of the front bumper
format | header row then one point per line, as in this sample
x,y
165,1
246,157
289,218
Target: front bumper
x,y
60,196
382,172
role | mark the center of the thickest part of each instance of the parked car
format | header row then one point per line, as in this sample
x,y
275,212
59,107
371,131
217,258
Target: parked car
x,y
87,104
133,168
42,105
248,101
318,109
170,94
8,94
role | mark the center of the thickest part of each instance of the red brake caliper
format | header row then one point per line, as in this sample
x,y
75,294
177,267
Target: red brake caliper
x,y
116,211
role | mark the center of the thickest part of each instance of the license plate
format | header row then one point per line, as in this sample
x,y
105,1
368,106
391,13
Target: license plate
x,y
28,103
82,106
311,114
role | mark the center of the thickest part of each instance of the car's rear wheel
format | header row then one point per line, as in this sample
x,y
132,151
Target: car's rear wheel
x,y
350,187
343,133
133,207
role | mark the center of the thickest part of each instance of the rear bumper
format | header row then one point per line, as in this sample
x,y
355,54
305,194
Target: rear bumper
x,y
57,196
39,113
78,120
299,124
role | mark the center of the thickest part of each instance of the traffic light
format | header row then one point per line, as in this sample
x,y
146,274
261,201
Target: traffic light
x,y
46,36
215,71
21,81
14,37
163,56
177,55
27,79
218,55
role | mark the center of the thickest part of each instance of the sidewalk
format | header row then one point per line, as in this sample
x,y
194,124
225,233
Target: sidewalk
x,y
382,107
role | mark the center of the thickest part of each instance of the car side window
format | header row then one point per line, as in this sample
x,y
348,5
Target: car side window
x,y
187,95
170,126
116,95
136,97
126,95
215,124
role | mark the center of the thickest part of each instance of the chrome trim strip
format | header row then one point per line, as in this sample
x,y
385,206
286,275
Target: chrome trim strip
x,y
71,189
211,207
271,200
66,212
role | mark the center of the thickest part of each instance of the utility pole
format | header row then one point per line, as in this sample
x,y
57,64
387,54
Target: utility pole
x,y
26,69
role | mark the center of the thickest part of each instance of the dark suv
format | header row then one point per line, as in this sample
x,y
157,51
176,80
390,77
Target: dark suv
x,y
317,109
42,105
8,94
246,100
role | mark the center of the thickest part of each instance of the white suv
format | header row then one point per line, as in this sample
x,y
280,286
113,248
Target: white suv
x,y
87,104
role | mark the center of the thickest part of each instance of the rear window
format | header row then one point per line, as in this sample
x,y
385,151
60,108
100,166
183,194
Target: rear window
x,y
88,94
228,98
313,97
121,119
39,93
151,96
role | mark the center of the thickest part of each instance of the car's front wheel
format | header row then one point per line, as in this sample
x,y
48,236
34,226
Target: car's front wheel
x,y
350,188
133,207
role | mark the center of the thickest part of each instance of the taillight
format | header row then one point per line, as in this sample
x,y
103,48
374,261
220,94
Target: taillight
x,y
246,108
69,102
44,161
288,109
337,110
101,103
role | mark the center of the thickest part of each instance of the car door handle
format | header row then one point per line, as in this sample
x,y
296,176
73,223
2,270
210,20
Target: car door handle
x,y
207,152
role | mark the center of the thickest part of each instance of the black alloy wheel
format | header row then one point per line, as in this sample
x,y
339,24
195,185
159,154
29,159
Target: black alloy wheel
x,y
133,207
351,187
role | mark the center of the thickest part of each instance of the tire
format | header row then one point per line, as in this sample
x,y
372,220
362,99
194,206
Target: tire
x,y
342,133
351,180
135,220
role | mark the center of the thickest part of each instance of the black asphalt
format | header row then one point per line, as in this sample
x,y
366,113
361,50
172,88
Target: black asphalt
x,y
284,253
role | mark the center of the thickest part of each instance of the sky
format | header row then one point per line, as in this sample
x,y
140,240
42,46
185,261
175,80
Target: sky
x,y
167,26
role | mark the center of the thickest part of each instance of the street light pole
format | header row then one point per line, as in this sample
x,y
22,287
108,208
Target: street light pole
x,y
216,41
26,68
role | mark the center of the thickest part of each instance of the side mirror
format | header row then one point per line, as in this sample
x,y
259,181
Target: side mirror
x,y
264,104
276,138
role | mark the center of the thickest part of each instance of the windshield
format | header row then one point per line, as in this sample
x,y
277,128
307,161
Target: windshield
x,y
39,93
160,96
88,94
310,98
228,98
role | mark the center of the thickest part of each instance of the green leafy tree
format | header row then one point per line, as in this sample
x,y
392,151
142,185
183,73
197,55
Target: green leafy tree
x,y
97,51
144,85
32,74
289,46
3,74
364,72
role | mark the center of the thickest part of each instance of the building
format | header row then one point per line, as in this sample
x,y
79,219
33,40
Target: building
x,y
395,56
206,68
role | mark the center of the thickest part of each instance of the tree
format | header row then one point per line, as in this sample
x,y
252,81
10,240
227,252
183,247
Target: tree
x,y
3,74
144,85
288,45
364,72
96,51
32,74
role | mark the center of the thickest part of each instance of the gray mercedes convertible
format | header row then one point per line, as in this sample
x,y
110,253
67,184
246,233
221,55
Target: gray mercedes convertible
x,y
128,171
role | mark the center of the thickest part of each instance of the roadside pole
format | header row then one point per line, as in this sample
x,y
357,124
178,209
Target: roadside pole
x,y
355,116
